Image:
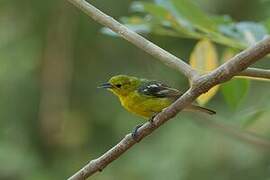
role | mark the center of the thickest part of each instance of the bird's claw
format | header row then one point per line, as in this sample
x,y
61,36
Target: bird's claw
x,y
134,133
151,120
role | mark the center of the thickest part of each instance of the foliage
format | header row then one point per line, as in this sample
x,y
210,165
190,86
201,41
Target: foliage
x,y
204,58
185,19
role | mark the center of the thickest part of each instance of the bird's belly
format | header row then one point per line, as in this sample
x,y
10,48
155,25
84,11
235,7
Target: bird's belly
x,y
145,107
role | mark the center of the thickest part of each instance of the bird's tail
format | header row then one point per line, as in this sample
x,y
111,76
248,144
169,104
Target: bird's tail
x,y
201,109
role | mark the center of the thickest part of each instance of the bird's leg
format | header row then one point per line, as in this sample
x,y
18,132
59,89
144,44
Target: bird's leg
x,y
151,119
135,131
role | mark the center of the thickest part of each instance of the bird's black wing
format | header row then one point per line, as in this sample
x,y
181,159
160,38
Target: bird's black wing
x,y
158,89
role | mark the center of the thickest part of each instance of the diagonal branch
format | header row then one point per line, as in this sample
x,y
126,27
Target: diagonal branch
x,y
200,85
136,39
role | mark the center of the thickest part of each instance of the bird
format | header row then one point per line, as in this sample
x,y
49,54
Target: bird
x,y
144,97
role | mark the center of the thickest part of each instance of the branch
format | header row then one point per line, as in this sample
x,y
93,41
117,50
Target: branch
x,y
136,39
239,63
200,85
256,72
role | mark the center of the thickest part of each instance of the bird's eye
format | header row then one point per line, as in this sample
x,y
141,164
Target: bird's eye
x,y
118,85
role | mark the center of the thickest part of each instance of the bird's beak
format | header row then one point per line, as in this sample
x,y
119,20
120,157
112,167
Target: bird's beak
x,y
105,85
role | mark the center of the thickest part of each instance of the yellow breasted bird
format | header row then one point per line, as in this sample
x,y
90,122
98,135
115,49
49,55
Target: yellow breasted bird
x,y
145,97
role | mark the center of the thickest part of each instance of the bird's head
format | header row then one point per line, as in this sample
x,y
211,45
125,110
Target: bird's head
x,y
122,85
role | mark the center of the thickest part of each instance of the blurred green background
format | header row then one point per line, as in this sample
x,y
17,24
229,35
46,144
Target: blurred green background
x,y
53,119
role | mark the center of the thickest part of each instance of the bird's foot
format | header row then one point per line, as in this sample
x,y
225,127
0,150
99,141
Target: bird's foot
x,y
151,120
134,133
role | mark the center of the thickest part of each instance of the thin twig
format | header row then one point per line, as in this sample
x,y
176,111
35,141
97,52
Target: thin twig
x,y
256,72
136,39
201,84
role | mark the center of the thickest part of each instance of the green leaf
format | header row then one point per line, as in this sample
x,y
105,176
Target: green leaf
x,y
247,32
227,54
221,19
160,17
267,24
151,8
184,19
230,31
235,91
194,14
199,24
204,58
251,31
250,119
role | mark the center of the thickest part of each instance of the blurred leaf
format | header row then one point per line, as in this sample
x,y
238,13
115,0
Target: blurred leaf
x,y
194,14
207,25
222,19
267,24
252,118
235,91
151,8
158,20
230,31
251,31
168,4
228,54
248,32
184,19
204,58
160,17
